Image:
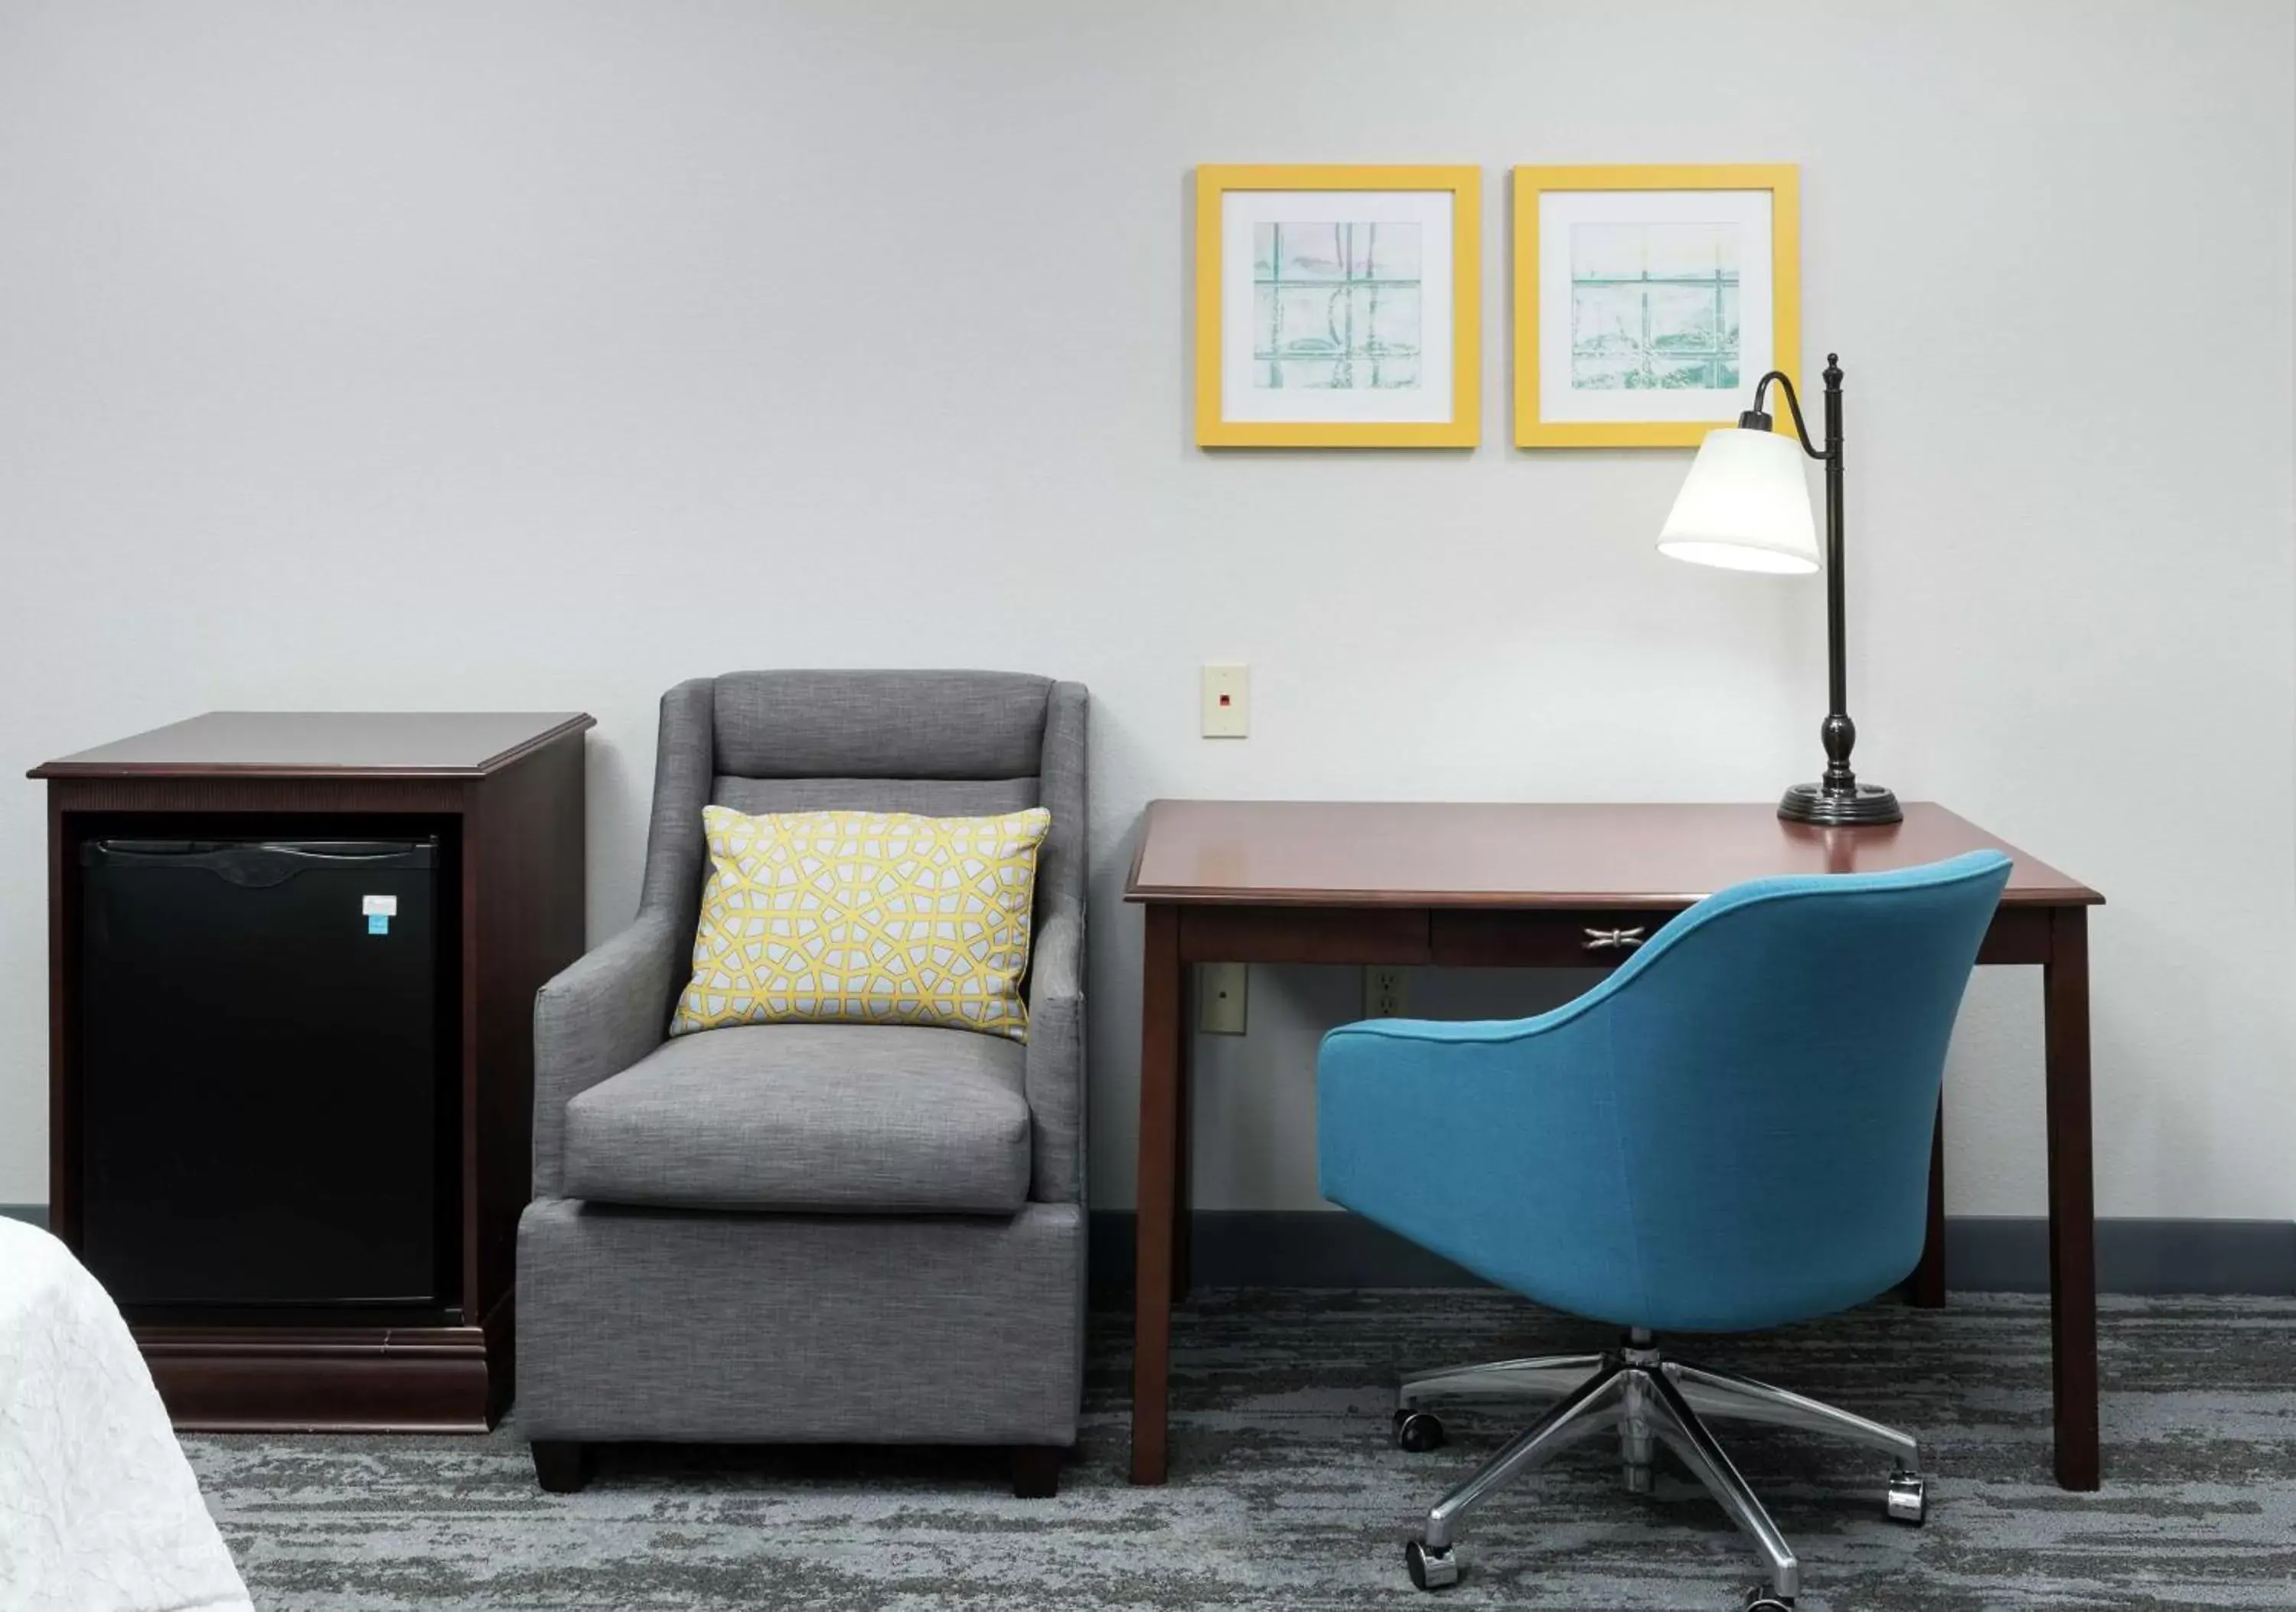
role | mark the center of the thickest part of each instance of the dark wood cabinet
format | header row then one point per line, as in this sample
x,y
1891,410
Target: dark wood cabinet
x,y
502,793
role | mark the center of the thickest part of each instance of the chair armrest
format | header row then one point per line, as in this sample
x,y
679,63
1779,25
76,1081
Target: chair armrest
x,y
1055,1069
603,1013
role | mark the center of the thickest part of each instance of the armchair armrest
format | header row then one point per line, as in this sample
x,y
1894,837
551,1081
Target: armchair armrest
x,y
1054,1069
603,1014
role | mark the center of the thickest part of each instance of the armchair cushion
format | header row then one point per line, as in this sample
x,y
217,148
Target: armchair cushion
x,y
837,1118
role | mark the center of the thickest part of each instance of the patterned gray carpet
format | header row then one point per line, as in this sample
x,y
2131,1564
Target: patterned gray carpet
x,y
1287,1492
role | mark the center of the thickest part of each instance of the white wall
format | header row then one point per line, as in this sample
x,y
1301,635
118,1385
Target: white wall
x,y
530,356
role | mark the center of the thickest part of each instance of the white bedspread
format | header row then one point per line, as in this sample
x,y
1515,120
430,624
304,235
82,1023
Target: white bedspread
x,y
99,1511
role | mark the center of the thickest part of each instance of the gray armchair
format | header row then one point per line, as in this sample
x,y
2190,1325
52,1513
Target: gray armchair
x,y
815,1233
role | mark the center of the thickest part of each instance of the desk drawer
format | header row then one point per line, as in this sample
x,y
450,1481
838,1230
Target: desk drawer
x,y
1543,939
1303,935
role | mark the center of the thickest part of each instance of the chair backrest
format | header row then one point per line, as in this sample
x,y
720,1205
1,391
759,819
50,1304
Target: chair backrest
x,y
1733,1129
943,743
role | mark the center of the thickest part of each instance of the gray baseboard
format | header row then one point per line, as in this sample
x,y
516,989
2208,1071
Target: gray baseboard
x,y
1277,1248
1984,1254
2003,1254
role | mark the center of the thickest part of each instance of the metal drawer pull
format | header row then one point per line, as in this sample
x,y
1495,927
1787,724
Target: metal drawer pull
x,y
1614,940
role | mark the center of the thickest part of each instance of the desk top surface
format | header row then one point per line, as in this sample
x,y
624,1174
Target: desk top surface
x,y
1362,853
305,744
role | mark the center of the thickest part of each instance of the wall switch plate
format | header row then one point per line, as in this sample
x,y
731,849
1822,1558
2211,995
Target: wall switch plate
x,y
1221,988
1227,701
1387,993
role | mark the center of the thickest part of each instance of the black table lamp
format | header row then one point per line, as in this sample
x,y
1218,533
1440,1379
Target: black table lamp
x,y
1746,507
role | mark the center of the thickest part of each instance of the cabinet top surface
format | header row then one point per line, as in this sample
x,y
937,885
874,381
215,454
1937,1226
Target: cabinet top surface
x,y
302,744
1358,853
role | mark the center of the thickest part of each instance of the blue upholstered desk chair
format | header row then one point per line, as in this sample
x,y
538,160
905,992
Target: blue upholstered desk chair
x,y
1731,1131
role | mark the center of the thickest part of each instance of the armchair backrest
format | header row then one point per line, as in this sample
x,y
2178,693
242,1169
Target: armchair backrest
x,y
943,743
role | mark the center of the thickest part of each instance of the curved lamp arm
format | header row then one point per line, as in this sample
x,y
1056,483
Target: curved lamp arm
x,y
1757,419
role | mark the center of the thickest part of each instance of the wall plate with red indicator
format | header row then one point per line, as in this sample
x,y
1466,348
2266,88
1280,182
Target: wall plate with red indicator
x,y
1227,701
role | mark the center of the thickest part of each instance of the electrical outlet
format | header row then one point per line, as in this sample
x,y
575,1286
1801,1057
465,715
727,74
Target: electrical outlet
x,y
1227,701
1221,988
1387,993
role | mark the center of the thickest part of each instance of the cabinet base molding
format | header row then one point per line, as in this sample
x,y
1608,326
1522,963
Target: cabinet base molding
x,y
331,1379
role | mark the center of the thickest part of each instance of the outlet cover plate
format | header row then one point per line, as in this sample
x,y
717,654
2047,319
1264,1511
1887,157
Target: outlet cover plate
x,y
1220,996
1387,992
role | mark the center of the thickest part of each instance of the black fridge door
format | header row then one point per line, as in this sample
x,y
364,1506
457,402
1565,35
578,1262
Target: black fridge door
x,y
261,1072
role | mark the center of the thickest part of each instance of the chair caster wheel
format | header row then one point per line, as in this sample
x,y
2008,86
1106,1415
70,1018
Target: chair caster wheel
x,y
1432,1569
1418,1431
1760,1599
1909,1498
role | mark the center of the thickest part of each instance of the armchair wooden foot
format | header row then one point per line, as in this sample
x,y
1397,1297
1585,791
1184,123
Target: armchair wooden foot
x,y
1036,1470
560,1466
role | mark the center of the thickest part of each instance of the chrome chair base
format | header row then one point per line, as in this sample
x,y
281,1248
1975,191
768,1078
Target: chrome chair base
x,y
1649,1400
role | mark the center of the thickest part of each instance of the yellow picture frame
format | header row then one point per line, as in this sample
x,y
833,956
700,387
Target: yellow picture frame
x,y
1782,180
1463,429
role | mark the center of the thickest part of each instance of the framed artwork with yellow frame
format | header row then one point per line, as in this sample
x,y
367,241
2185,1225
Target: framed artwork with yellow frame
x,y
1338,305
1648,301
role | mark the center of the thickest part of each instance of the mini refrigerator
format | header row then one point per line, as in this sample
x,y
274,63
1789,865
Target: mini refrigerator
x,y
264,1073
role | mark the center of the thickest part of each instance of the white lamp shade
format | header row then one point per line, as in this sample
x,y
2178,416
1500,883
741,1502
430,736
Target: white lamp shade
x,y
1745,506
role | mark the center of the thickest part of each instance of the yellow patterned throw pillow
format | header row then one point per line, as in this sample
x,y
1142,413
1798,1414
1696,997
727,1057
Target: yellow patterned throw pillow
x,y
867,916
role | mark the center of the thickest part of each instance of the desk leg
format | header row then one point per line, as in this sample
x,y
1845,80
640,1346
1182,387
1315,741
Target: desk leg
x,y
1183,1133
1928,1276
2073,1208
1156,1195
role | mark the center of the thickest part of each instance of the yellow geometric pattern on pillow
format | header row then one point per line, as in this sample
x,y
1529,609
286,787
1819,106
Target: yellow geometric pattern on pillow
x,y
865,917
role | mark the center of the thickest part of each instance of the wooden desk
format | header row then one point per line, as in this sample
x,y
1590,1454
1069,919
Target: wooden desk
x,y
1302,882
503,791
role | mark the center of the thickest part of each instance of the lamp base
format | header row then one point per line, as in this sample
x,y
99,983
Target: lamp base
x,y
1814,803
